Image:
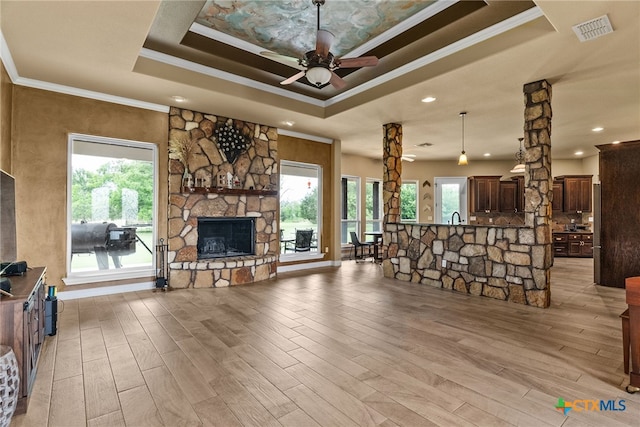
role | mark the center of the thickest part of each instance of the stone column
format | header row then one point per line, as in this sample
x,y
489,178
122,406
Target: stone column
x,y
538,187
392,173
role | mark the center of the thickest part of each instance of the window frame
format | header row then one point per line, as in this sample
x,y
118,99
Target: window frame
x,y
378,208
345,238
318,253
125,273
463,195
417,186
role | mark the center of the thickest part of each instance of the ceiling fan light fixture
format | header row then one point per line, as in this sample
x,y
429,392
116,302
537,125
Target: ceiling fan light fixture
x,y
318,76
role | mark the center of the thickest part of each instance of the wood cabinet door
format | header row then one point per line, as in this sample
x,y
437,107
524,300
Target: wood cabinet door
x,y
509,196
485,193
558,201
584,187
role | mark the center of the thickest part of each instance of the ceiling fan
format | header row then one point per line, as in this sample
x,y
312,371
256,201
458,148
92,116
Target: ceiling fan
x,y
318,65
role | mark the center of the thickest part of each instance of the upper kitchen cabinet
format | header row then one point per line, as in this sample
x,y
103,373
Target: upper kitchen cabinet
x,y
558,196
512,195
577,193
485,191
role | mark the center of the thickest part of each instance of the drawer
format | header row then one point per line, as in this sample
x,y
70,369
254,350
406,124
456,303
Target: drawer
x,y
559,237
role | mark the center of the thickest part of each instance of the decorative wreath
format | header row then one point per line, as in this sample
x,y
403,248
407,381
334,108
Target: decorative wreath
x,y
231,142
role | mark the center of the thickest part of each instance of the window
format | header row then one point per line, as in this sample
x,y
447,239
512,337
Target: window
x,y
451,197
373,205
350,212
409,201
111,212
300,208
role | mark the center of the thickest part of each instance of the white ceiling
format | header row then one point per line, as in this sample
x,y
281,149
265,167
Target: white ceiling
x,y
98,46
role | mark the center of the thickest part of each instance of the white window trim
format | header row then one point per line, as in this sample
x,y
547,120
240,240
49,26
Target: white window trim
x,y
358,219
438,181
417,183
307,256
126,273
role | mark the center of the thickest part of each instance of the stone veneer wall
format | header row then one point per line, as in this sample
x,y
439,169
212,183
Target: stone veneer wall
x,y
255,167
509,263
392,172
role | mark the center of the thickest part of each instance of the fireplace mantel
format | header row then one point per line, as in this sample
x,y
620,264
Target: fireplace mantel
x,y
234,191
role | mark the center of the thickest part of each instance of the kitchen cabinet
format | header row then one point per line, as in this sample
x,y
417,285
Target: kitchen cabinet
x,y
576,193
558,196
484,192
579,245
512,195
22,326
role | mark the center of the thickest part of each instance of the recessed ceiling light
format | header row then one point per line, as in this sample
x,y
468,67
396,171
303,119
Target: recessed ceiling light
x,y
178,98
598,129
579,153
288,123
487,154
428,99
616,142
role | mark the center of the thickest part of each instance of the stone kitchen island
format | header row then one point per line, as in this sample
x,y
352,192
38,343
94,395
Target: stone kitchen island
x,y
502,262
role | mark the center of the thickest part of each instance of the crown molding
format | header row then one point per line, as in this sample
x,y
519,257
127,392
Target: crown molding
x,y
301,135
7,60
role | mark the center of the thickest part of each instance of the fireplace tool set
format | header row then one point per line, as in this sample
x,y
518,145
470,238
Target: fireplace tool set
x,y
162,266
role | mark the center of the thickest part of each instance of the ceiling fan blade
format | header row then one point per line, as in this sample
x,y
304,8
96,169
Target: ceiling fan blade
x,y
292,78
363,61
336,81
323,42
287,60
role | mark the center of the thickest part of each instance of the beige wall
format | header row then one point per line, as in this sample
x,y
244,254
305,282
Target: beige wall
x,y
423,170
6,96
42,121
302,150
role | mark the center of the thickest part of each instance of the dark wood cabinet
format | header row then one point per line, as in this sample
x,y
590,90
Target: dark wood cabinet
x,y
509,196
577,193
573,244
485,192
558,196
22,326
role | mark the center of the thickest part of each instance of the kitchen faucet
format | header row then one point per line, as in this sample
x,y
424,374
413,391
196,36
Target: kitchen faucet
x,y
454,215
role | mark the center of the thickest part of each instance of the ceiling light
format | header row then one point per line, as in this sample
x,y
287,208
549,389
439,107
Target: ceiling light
x,y
579,153
178,98
428,99
487,154
616,142
462,160
597,129
288,123
318,76
519,168
408,157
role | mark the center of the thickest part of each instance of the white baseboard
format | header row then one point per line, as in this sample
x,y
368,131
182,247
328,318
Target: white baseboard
x,y
306,266
105,290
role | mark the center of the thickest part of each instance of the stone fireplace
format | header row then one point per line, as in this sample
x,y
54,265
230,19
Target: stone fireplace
x,y
200,253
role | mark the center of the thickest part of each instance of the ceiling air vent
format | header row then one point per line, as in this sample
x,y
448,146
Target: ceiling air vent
x,y
593,29
424,144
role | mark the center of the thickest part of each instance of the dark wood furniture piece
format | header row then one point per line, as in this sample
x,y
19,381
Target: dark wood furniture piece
x,y
573,244
22,326
619,201
632,285
377,241
484,193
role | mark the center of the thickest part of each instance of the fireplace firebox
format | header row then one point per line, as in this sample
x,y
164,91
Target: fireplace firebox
x,y
225,237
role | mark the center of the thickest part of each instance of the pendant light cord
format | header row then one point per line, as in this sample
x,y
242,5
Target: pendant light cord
x,y
462,114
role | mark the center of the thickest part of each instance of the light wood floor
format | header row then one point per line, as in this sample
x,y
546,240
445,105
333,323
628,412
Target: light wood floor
x,y
337,347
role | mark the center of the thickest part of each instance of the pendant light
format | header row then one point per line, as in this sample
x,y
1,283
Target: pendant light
x,y
462,160
519,168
